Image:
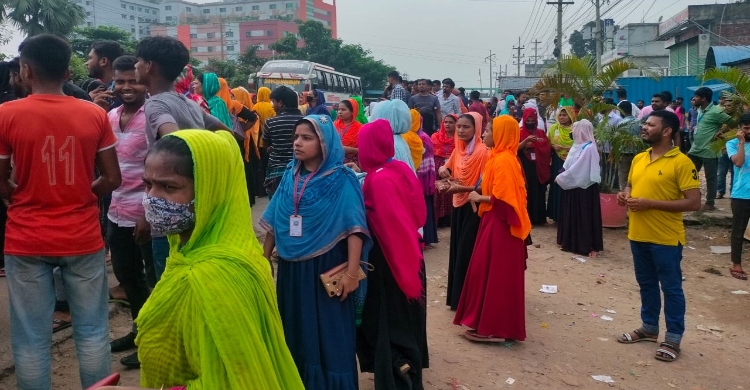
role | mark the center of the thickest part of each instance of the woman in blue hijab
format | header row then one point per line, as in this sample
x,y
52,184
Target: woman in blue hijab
x,y
217,106
397,113
316,220
320,105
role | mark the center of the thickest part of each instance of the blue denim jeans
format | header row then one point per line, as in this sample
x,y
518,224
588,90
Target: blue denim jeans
x,y
725,166
160,251
31,293
657,265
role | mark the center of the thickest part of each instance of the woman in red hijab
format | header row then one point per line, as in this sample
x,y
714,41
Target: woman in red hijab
x,y
348,128
392,340
444,144
535,153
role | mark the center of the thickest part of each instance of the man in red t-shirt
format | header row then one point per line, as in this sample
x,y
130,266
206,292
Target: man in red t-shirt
x,y
53,142
477,106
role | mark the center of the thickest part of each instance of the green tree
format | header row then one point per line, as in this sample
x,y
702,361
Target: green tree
x,y
319,46
82,39
34,17
222,68
78,70
580,47
247,64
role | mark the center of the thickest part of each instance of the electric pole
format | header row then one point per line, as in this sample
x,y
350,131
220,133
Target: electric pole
x,y
558,40
536,52
490,59
598,37
518,56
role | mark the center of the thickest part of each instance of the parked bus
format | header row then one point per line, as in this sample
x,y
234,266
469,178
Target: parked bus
x,y
304,76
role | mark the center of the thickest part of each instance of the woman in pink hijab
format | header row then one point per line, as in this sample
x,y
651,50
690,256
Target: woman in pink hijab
x,y
392,340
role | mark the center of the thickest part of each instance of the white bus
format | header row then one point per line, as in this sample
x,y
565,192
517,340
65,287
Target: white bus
x,y
304,76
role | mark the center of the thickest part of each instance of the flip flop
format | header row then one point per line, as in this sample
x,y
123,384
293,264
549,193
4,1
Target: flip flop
x,y
741,275
58,325
474,336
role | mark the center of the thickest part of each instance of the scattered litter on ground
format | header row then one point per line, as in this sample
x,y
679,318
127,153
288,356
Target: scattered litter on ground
x,y
594,315
690,247
712,270
721,250
603,339
603,378
544,325
740,292
610,311
581,259
510,381
607,318
547,289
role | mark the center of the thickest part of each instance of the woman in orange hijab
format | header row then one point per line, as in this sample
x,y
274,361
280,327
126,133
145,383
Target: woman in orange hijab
x,y
492,301
461,175
348,128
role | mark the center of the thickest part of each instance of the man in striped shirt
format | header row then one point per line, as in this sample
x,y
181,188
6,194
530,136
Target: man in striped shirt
x,y
278,136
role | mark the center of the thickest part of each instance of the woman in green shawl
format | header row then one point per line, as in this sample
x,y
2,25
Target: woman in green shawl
x,y
216,105
212,321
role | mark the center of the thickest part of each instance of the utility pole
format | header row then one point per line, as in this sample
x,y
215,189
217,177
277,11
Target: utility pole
x,y
481,86
490,59
518,56
536,52
598,36
558,40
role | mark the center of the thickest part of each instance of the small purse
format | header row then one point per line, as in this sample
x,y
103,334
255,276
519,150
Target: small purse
x,y
331,279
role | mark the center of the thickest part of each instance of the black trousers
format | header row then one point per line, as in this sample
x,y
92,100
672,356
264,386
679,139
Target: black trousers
x,y
740,217
131,263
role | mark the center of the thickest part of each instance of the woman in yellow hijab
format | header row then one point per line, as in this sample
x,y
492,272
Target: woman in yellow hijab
x,y
492,300
212,321
264,108
411,137
560,137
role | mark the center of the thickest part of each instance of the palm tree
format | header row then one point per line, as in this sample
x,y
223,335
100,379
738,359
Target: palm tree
x,y
34,17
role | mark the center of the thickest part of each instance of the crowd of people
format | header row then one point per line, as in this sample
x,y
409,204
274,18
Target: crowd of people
x,y
136,173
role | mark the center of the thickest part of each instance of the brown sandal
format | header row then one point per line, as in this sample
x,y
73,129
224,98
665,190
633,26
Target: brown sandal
x,y
636,336
474,336
668,352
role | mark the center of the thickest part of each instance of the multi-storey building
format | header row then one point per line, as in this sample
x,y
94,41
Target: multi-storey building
x,y
222,19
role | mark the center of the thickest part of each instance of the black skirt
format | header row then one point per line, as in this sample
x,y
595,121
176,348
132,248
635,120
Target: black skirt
x,y
393,331
429,233
464,228
553,201
579,229
536,193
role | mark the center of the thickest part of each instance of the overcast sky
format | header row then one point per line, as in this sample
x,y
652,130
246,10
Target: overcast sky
x,y
451,38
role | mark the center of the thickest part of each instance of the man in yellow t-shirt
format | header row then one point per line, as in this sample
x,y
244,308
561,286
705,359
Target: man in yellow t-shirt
x,y
662,184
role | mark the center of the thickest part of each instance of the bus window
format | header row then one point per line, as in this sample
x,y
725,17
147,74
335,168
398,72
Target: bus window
x,y
321,80
350,85
330,85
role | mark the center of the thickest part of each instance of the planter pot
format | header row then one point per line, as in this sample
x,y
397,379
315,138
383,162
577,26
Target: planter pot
x,y
613,215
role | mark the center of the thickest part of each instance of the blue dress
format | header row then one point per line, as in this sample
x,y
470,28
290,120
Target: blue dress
x,y
319,330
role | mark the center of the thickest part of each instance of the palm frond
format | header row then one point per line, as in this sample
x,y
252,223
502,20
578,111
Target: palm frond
x,y
739,81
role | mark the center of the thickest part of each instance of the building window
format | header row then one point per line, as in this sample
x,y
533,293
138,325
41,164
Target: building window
x,y
194,49
254,33
229,34
88,3
124,16
140,9
88,13
230,48
238,8
194,36
210,49
272,6
269,33
166,8
256,7
90,24
132,29
132,7
123,6
209,35
329,23
132,17
289,5
169,18
261,47
329,13
222,9
206,11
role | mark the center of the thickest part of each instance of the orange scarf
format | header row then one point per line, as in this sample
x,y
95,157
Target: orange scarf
x,y
253,133
233,106
349,133
412,138
467,165
503,178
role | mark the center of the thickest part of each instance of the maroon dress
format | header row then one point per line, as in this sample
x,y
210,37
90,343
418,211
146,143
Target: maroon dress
x,y
492,300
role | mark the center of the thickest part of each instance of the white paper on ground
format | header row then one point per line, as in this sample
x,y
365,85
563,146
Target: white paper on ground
x,y
607,318
510,381
581,259
548,289
740,292
721,250
603,378
610,311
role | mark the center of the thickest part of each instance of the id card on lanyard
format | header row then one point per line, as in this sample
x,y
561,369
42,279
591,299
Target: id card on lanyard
x,y
295,220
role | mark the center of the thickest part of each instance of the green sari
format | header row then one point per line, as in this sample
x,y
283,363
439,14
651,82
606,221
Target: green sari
x,y
212,321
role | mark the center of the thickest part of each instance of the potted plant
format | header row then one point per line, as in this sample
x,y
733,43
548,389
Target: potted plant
x,y
576,78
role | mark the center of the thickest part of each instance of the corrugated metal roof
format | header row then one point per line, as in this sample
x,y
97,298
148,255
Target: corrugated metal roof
x,y
719,56
738,62
516,83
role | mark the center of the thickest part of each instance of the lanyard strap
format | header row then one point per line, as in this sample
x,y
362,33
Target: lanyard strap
x,y
298,198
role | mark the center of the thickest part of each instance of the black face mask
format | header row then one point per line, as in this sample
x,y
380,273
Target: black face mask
x,y
747,137
309,99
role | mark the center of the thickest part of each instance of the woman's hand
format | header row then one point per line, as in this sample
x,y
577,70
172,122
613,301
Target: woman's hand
x,y
453,187
444,173
348,285
475,197
353,166
557,148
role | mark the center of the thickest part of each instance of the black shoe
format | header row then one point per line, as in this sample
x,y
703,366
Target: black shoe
x,y
131,361
123,343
